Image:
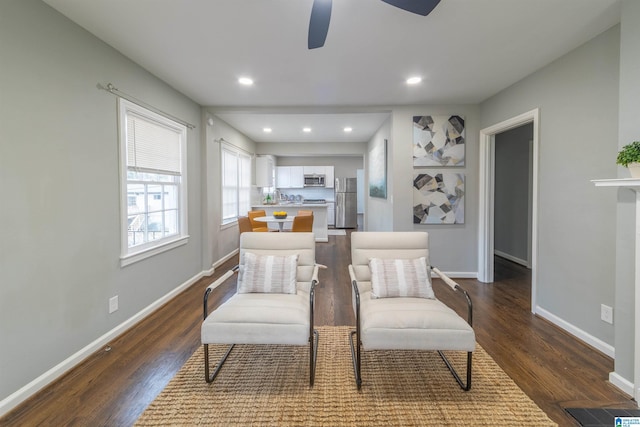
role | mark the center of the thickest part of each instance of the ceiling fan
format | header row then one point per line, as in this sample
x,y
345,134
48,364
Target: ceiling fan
x,y
321,15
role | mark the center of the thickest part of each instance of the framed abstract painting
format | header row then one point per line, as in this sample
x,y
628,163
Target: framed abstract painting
x,y
438,141
378,170
438,198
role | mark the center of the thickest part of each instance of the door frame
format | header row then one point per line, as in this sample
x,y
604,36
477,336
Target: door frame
x,y
486,197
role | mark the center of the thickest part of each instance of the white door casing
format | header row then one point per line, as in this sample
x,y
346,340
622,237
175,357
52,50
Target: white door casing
x,y
486,197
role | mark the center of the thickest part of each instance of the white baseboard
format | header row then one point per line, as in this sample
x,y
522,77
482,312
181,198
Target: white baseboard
x,y
622,383
460,274
61,368
512,258
225,259
598,344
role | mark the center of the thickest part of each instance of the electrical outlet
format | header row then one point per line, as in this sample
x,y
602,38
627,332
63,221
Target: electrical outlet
x,y
113,304
606,313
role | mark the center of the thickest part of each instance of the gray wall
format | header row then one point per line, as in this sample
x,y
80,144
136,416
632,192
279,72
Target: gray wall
x,y
60,244
307,150
629,130
454,247
378,213
220,240
578,100
513,193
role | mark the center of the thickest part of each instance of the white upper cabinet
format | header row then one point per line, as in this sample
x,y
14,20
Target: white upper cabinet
x,y
297,176
289,177
293,176
264,172
313,170
283,177
328,177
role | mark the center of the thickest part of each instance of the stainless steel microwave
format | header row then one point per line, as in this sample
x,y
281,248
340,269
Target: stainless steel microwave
x,y
314,180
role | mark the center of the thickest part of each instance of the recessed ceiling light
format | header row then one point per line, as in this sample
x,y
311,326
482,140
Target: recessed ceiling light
x,y
245,81
348,129
414,80
307,130
267,130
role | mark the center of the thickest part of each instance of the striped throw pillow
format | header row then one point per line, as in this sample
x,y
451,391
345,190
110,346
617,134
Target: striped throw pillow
x,y
400,278
268,274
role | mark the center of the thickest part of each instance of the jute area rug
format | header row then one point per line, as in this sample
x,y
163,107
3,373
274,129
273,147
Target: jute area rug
x,y
269,385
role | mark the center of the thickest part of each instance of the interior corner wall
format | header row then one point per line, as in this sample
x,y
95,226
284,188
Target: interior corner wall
x,y
454,247
577,96
59,168
629,130
378,212
221,240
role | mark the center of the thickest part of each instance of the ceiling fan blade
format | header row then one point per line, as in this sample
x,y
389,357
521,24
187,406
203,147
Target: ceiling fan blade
x,y
319,23
419,7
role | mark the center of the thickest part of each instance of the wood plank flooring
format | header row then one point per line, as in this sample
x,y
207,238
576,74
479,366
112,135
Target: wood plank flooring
x,y
114,386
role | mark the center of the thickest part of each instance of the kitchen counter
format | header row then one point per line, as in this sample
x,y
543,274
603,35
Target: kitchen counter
x,y
319,215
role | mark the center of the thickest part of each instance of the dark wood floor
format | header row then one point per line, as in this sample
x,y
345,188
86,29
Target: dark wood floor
x,y
114,386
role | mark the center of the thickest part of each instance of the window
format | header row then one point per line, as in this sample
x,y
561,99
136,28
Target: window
x,y
236,183
153,176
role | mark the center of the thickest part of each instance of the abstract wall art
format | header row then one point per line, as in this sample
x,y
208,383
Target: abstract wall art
x,y
378,170
438,198
438,141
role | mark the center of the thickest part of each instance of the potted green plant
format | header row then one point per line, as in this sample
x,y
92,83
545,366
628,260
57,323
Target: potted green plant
x,y
629,157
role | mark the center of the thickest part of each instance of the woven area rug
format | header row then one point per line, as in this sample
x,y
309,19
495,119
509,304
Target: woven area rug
x,y
269,385
334,232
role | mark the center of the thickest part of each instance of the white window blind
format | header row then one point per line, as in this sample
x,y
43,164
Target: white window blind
x,y
152,147
236,183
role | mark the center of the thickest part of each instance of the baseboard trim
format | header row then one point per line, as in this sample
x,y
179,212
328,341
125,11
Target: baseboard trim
x,y
225,258
594,342
512,258
459,274
22,394
623,384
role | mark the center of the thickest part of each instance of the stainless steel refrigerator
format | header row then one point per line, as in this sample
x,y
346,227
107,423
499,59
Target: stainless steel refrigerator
x,y
346,202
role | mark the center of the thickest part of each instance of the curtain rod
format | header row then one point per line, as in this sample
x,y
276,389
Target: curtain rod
x,y
114,91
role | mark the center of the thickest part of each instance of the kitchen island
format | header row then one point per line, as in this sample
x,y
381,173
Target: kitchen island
x,y
319,215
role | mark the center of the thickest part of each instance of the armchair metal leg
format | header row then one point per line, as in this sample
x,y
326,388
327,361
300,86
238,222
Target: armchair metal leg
x,y
355,357
467,386
313,356
218,366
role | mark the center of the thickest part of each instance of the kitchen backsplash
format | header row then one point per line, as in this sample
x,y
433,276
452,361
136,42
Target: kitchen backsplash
x,y
310,193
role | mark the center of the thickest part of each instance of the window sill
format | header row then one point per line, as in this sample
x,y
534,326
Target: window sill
x,y
147,253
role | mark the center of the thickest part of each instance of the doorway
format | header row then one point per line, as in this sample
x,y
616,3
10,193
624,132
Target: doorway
x,y
512,190
486,240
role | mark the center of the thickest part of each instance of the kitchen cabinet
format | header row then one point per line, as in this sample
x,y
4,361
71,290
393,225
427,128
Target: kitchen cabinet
x,y
329,177
289,177
297,177
283,177
264,172
331,213
313,170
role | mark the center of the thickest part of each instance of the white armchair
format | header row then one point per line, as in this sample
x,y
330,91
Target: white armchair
x,y
275,298
394,304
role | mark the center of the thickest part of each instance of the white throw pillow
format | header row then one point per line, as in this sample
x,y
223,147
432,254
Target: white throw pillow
x,y
268,274
400,278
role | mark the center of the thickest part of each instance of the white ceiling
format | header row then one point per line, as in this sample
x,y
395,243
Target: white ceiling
x,y
465,51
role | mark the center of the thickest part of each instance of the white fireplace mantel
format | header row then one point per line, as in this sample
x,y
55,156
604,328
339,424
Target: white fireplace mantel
x,y
632,184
